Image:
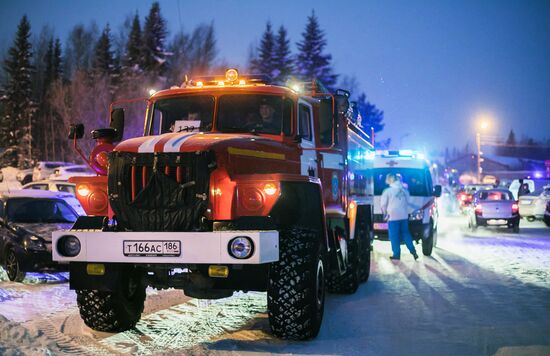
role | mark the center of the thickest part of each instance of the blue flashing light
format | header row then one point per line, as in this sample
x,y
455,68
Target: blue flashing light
x,y
361,155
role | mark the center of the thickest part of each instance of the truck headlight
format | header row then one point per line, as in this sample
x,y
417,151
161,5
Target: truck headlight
x,y
241,247
68,246
417,215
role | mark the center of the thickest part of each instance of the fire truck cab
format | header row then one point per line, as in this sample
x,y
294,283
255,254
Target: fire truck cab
x,y
236,184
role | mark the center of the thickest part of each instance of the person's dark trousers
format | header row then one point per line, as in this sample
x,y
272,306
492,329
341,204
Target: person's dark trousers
x,y
399,230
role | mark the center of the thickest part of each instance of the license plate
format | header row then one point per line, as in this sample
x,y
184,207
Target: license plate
x,y
525,202
142,248
380,226
497,222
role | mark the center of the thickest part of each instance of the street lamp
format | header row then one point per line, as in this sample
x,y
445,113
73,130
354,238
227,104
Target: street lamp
x,y
483,125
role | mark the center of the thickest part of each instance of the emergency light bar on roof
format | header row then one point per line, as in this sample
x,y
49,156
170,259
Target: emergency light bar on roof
x,y
232,78
400,154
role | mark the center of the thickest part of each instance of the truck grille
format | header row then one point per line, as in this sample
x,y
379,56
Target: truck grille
x,y
160,191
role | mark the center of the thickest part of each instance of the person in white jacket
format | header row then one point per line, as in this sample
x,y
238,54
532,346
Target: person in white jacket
x,y
395,207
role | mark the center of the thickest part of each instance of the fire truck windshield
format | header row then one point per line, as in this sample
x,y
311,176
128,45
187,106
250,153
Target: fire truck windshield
x,y
269,114
253,113
183,113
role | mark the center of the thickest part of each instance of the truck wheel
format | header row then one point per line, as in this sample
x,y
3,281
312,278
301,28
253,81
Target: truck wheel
x,y
547,221
349,281
366,236
114,311
296,289
428,244
13,269
515,228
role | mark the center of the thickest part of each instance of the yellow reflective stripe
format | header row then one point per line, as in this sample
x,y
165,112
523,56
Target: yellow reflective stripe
x,y
252,153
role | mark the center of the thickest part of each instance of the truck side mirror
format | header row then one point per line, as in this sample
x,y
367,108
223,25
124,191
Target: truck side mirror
x,y
342,101
117,123
437,191
76,131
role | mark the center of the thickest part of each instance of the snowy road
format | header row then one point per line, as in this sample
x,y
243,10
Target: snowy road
x,y
479,294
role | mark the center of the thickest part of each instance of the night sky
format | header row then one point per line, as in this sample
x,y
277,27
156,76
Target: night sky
x,y
432,66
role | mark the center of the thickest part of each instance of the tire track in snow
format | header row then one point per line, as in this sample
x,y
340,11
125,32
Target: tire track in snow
x,y
184,326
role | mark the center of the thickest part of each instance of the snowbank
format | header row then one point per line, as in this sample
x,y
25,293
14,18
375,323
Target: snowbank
x,y
15,339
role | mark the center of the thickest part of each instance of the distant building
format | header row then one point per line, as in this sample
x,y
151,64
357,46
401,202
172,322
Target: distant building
x,y
502,167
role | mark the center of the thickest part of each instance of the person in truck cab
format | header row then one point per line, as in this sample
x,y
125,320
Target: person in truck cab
x,y
270,124
395,207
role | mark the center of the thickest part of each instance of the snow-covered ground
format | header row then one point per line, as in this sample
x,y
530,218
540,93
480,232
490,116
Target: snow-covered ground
x,y
480,294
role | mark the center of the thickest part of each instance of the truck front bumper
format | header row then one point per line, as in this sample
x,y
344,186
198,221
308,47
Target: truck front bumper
x,y
194,247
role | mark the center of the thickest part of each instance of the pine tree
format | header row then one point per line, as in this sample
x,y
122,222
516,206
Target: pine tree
x,y
103,62
311,62
19,108
370,115
265,62
283,63
132,57
511,140
154,37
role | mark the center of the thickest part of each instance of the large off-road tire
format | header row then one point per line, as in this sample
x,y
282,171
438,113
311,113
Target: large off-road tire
x,y
547,220
114,311
13,268
349,281
515,228
428,243
364,264
365,236
296,289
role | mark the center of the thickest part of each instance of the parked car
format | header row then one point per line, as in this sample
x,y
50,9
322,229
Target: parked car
x,y
43,169
494,207
534,185
59,186
27,219
466,195
547,214
66,172
533,205
24,176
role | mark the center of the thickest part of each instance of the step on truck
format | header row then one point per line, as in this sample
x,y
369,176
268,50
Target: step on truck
x,y
235,185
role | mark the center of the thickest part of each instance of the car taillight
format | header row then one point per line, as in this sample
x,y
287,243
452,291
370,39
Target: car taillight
x,y
515,208
479,209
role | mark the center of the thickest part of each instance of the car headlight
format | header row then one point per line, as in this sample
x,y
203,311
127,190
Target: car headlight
x,y
35,243
241,247
417,215
68,245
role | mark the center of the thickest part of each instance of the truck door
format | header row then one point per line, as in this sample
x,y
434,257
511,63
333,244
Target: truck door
x,y
308,159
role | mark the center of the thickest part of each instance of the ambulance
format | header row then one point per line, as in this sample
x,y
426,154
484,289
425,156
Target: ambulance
x,y
415,172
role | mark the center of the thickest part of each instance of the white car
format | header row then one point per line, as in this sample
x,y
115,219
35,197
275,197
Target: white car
x,y
24,176
43,169
61,187
64,173
532,206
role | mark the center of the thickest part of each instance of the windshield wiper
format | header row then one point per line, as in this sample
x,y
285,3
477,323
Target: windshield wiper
x,y
188,128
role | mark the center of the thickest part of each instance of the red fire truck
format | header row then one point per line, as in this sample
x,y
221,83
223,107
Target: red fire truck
x,y
236,184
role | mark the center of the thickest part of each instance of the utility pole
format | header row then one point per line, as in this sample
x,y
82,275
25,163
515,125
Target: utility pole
x,y
479,159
